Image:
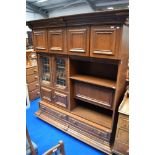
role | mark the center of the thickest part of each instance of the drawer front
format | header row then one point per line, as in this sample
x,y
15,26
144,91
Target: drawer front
x,y
34,94
53,113
46,94
94,94
60,99
121,148
32,70
89,129
123,135
32,86
31,78
124,122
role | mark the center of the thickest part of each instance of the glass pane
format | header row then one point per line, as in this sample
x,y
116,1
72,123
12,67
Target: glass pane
x,y
60,72
45,69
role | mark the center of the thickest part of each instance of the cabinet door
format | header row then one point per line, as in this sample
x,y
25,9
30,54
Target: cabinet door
x,y
61,71
103,41
56,41
46,94
40,40
45,70
78,41
60,99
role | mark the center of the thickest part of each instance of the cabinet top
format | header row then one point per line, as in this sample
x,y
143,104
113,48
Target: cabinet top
x,y
104,17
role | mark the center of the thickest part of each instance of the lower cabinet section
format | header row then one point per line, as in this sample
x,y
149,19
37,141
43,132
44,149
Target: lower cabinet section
x,y
46,94
97,138
34,94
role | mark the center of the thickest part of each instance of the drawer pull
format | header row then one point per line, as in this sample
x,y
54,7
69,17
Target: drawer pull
x,y
38,93
79,50
35,70
103,52
36,77
37,85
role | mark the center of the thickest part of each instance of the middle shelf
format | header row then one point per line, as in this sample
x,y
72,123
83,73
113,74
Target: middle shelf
x,y
95,80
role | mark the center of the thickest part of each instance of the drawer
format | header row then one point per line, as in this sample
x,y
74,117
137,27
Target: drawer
x,y
53,113
34,94
46,94
124,122
32,70
97,95
60,99
121,148
31,78
89,129
32,86
123,135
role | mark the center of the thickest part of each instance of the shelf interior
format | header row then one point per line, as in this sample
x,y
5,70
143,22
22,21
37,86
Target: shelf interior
x,y
93,113
95,80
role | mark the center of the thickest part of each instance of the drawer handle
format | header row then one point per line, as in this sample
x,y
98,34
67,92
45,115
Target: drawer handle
x,y
38,93
35,71
37,85
36,77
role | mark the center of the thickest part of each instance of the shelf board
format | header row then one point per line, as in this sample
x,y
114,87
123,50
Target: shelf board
x,y
95,80
94,116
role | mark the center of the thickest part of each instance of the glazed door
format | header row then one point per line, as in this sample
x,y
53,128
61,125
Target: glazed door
x,y
61,71
56,41
45,70
78,41
40,40
103,41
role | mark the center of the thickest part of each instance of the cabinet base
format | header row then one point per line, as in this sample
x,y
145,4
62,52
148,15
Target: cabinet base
x,y
100,146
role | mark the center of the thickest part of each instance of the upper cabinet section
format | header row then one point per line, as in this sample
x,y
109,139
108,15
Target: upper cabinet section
x,y
78,41
57,41
103,41
40,40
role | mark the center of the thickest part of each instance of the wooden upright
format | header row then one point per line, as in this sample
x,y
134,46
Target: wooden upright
x,y
82,62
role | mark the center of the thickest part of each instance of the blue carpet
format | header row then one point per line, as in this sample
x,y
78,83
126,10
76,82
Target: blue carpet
x,y
47,136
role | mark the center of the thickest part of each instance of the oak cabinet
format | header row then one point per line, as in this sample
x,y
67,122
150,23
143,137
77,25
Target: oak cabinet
x,y
82,76
57,41
103,41
40,40
78,41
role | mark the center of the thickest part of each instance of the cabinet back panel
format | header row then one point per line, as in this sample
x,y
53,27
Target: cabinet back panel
x,y
101,70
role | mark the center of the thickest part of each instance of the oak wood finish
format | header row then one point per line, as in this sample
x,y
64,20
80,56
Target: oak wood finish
x,y
57,41
103,41
40,40
78,41
95,49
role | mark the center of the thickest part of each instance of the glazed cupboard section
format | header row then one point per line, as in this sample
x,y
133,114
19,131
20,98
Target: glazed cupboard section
x,y
95,41
82,61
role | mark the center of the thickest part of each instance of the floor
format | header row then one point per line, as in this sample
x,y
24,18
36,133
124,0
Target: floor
x,y
47,136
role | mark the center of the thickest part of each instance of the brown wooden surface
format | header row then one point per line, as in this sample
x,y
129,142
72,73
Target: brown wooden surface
x,y
57,41
93,116
78,41
40,40
95,80
31,70
32,86
103,41
34,94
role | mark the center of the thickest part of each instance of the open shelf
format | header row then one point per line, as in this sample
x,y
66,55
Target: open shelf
x,y
92,113
95,80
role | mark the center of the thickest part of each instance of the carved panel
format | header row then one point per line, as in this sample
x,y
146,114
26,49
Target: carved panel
x,y
56,41
100,96
46,94
78,41
103,41
40,40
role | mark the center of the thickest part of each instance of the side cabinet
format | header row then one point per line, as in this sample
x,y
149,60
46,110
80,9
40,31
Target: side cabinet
x,y
57,41
103,41
78,41
40,40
